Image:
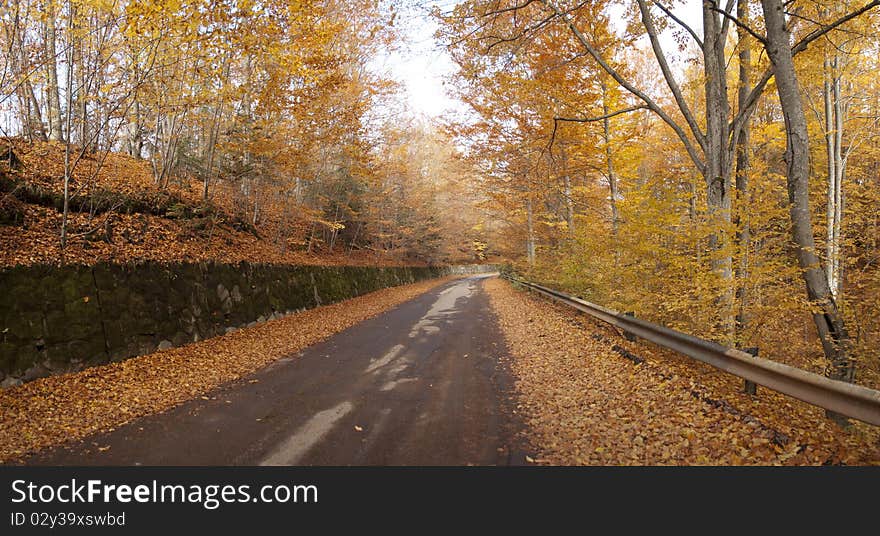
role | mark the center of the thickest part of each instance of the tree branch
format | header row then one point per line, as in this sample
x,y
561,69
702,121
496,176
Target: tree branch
x,y
556,121
602,117
648,22
680,22
725,25
653,106
511,8
752,100
761,39
815,34
526,31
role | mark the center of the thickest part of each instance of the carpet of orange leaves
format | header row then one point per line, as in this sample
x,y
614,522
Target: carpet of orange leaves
x,y
140,237
584,403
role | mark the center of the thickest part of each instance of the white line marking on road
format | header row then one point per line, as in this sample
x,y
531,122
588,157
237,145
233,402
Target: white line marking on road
x,y
443,306
297,445
385,359
378,425
392,384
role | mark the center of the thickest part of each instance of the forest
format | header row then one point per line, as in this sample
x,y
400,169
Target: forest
x,y
718,173
252,130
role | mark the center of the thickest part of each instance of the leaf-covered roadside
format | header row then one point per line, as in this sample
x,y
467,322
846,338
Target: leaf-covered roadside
x,y
585,403
53,410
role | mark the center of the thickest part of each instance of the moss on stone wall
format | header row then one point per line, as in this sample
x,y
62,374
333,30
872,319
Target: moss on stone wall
x,y
56,320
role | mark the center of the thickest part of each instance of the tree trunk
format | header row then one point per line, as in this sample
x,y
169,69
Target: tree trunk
x,y
68,121
35,128
99,110
213,137
830,140
135,135
609,162
53,100
79,68
829,322
743,233
569,200
530,239
717,172
834,119
29,108
569,204
839,167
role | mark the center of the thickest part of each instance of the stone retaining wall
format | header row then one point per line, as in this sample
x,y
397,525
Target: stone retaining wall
x,y
55,320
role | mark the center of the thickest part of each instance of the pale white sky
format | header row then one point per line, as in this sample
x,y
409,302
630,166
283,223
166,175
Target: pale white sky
x,y
422,63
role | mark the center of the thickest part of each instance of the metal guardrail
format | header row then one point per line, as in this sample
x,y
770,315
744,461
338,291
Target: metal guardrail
x,y
843,398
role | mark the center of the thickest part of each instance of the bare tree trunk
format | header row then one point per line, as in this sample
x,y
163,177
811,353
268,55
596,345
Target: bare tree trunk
x,y
311,238
69,113
830,140
135,134
212,146
351,244
834,111
99,111
53,100
530,239
569,201
29,108
609,161
718,170
79,68
36,117
743,233
334,232
297,191
829,322
168,151
256,191
839,167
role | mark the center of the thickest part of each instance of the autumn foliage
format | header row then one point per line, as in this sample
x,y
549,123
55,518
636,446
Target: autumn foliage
x,y
643,161
598,144
252,131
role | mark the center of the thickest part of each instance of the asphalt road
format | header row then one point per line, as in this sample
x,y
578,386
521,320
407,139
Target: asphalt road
x,y
421,384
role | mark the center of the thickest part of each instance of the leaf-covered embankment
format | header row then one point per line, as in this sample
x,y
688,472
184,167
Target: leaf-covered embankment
x,y
588,396
119,214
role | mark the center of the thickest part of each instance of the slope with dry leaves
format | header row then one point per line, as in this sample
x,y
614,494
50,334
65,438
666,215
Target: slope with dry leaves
x,y
119,214
588,396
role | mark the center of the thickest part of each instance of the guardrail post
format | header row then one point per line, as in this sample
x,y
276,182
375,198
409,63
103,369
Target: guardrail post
x,y
751,388
627,335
